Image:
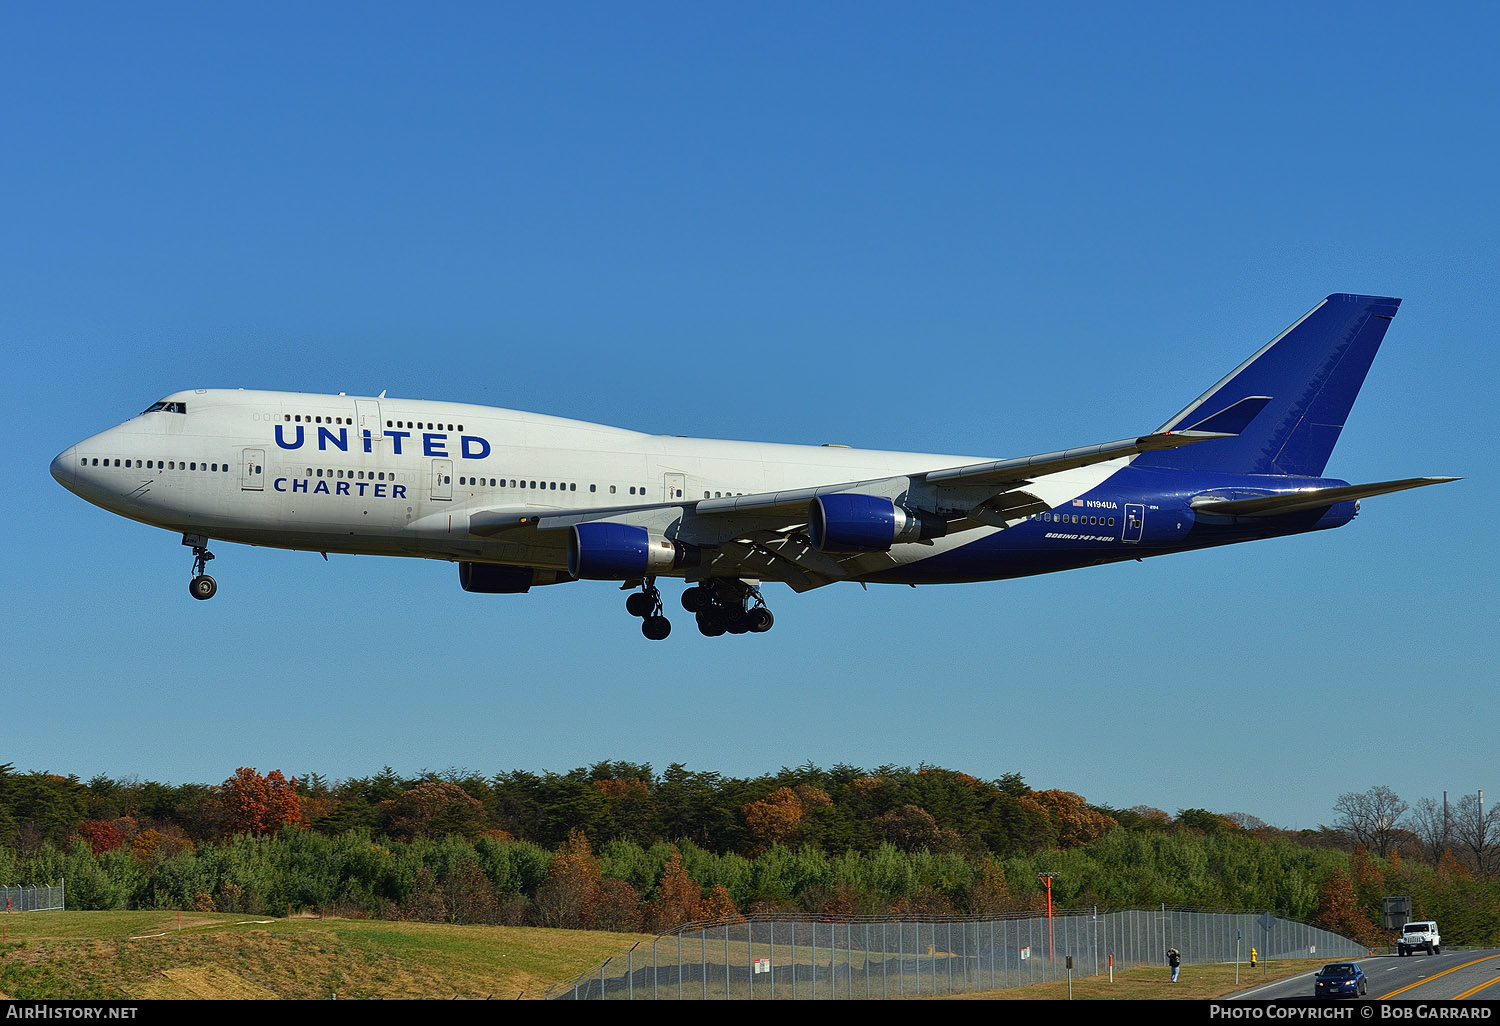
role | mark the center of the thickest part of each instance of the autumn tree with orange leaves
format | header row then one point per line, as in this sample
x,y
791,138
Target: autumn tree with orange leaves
x,y
255,804
566,898
775,818
1076,823
678,898
1339,911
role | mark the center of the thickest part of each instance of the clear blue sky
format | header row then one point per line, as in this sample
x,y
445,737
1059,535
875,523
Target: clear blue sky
x,y
975,228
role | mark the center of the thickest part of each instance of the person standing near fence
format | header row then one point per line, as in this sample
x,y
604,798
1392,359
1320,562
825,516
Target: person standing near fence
x,y
1174,959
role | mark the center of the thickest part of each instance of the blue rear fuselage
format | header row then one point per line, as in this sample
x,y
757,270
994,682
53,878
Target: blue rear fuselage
x,y
1135,513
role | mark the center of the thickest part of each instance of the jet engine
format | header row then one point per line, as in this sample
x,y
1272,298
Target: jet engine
x,y
867,523
502,579
600,551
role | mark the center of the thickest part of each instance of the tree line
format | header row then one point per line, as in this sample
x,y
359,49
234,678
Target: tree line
x,y
616,846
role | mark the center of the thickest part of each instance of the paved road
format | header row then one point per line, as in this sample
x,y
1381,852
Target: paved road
x,y
1451,976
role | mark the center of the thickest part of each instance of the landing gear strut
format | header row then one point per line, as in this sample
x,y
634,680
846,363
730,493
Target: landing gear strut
x,y
201,586
727,605
646,604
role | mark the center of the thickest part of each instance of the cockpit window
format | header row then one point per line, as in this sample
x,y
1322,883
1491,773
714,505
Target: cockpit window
x,y
166,407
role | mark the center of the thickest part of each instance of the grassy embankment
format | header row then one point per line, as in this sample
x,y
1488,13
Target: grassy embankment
x,y
153,956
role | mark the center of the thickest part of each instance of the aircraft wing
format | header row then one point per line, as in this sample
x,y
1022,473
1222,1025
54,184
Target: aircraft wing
x,y
762,536
1028,468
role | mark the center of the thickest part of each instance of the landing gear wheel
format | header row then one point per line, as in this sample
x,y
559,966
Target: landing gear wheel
x,y
201,586
646,604
728,605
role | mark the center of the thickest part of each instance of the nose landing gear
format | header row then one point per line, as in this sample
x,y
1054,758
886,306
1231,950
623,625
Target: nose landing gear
x,y
201,586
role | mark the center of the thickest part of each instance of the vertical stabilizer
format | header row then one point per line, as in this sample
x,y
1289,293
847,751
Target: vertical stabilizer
x,y
1304,380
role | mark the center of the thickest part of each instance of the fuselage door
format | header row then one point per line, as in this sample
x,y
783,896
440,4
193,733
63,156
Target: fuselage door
x,y
442,479
368,413
1135,523
253,470
675,484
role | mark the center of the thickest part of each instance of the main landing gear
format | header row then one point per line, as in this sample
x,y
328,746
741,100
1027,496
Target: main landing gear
x,y
727,605
722,605
201,586
646,604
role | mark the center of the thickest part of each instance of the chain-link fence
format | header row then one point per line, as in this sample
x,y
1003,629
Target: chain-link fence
x,y
797,959
32,899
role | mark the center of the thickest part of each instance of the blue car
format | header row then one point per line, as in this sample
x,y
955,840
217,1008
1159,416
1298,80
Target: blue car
x,y
1339,979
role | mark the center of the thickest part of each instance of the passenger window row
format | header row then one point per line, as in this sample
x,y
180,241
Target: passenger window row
x,y
155,464
352,475
1062,518
308,418
417,425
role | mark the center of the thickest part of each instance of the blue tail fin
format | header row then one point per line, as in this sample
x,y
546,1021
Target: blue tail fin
x,y
1296,392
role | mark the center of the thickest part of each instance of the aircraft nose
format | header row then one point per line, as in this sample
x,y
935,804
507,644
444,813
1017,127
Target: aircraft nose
x,y
62,466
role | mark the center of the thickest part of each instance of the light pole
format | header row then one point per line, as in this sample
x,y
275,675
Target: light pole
x,y
1047,879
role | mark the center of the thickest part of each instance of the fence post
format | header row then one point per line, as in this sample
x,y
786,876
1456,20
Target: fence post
x,y
885,960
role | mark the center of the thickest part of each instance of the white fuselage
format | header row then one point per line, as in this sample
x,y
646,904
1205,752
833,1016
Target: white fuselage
x,y
335,473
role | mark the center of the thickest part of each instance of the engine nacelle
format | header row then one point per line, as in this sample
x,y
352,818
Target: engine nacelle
x,y
867,523
502,579
599,551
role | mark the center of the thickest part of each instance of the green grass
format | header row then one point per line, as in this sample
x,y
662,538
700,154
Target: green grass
x,y
154,955
135,955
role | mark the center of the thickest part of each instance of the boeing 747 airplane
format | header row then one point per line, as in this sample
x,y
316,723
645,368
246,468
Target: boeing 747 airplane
x,y
519,500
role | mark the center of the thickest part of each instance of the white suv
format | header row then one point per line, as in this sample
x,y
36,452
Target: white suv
x,y
1419,936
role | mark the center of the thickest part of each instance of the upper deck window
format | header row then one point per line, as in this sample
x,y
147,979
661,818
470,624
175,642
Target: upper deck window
x,y
166,407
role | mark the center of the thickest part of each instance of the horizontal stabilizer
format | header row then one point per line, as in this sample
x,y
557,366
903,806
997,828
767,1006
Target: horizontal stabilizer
x,y
1311,498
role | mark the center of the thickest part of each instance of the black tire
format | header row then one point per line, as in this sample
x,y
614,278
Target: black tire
x,y
1361,987
710,623
656,628
695,600
203,587
639,604
761,620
